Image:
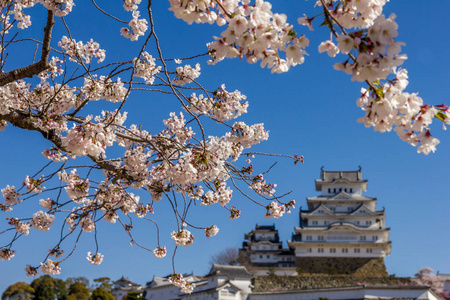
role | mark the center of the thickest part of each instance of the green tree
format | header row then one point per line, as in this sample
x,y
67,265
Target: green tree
x,y
18,291
78,291
44,288
133,296
101,294
82,279
61,290
48,288
104,282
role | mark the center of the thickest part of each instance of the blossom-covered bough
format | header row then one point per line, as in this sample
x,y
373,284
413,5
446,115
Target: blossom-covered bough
x,y
183,163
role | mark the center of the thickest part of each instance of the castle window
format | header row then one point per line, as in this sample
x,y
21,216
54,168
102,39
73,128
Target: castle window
x,y
315,222
375,237
369,250
344,250
329,190
362,238
335,190
260,256
340,189
268,256
325,222
308,238
320,237
357,222
345,190
351,190
309,250
368,222
320,250
332,250
356,250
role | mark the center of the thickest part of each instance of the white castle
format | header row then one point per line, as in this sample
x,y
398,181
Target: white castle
x,y
340,232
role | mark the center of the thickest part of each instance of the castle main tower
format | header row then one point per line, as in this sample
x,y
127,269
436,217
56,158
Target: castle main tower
x,y
341,232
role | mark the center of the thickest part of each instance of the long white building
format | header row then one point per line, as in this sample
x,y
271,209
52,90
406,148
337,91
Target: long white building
x,y
341,227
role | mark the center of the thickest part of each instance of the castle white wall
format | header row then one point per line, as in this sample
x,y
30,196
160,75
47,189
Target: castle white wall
x,y
347,294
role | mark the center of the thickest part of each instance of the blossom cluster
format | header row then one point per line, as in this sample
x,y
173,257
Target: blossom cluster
x,y
103,88
47,203
182,238
21,227
57,252
211,231
355,14
223,106
160,252
10,195
77,51
31,271
221,195
24,20
253,31
87,224
50,267
378,54
42,220
55,69
92,138
176,127
77,188
246,135
6,254
388,106
33,185
186,74
374,55
59,7
137,27
274,210
54,154
94,259
131,5
260,186
183,284
145,67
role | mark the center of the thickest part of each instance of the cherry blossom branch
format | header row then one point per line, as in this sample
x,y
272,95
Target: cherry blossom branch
x,y
109,15
35,68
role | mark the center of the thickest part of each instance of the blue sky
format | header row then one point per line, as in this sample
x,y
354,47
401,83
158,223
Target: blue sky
x,y
309,111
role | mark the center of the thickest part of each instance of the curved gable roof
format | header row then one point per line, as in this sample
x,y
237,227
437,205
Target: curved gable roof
x,y
321,206
342,176
229,271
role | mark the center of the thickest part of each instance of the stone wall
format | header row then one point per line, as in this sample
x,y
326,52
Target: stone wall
x,y
357,266
277,283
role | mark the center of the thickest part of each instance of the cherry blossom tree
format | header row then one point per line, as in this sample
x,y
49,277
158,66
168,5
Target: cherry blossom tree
x,y
427,277
98,159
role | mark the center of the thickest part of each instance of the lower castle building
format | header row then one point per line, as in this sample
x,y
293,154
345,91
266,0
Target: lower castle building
x,y
262,253
341,232
235,283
